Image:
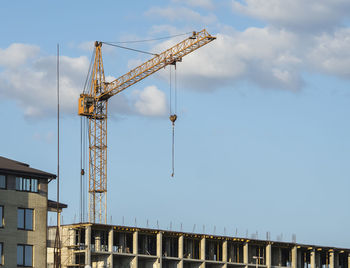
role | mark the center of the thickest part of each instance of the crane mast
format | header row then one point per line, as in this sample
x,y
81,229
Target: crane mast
x,y
93,105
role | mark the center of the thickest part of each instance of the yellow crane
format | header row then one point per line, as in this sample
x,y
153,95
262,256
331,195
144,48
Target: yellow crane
x,y
93,105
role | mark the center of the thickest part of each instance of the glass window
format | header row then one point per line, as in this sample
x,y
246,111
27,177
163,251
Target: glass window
x,y
18,183
1,253
28,255
29,219
20,254
27,184
34,185
1,217
20,218
2,181
25,218
25,255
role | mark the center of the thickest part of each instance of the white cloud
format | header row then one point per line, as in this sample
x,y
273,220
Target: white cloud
x,y
17,54
30,79
87,46
207,4
181,14
269,57
331,54
296,14
32,84
150,101
265,56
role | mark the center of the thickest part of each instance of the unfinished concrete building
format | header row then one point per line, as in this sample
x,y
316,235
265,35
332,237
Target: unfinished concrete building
x,y
99,245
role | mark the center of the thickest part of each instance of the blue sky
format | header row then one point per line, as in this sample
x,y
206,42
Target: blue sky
x,y
262,137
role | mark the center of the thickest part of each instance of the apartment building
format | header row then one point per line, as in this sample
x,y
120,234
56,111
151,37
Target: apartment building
x,y
23,214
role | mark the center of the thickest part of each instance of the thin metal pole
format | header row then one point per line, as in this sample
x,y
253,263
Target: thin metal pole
x,y
57,249
58,131
81,169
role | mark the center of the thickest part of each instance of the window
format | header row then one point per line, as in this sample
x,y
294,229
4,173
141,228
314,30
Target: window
x,y
25,255
26,184
1,216
1,253
2,182
25,218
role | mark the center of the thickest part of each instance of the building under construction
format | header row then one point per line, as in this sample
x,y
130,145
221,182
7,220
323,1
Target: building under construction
x,y
101,245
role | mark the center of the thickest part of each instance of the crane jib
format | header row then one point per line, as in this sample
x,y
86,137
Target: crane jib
x,y
156,63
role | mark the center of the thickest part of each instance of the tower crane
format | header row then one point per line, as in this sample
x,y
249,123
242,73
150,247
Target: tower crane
x,y
93,105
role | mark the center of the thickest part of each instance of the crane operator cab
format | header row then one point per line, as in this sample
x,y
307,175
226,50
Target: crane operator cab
x,y
86,105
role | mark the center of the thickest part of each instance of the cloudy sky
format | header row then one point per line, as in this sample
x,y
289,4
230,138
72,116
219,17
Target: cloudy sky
x,y
262,137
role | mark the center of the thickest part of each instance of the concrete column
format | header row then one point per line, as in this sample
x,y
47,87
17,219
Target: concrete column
x,y
134,262
71,236
181,252
110,240
348,260
202,252
88,245
333,260
245,253
313,258
135,242
110,248
295,257
159,248
98,241
135,246
202,249
268,255
181,247
224,251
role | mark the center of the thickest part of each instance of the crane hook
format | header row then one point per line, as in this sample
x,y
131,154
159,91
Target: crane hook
x,y
173,118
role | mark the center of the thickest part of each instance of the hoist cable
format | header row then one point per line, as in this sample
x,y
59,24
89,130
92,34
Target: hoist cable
x,y
132,49
149,40
173,152
170,92
172,117
175,91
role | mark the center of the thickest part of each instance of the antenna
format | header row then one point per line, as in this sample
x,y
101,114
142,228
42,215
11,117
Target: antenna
x,y
57,249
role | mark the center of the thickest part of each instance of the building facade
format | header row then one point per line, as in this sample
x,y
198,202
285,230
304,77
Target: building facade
x,y
98,245
23,214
